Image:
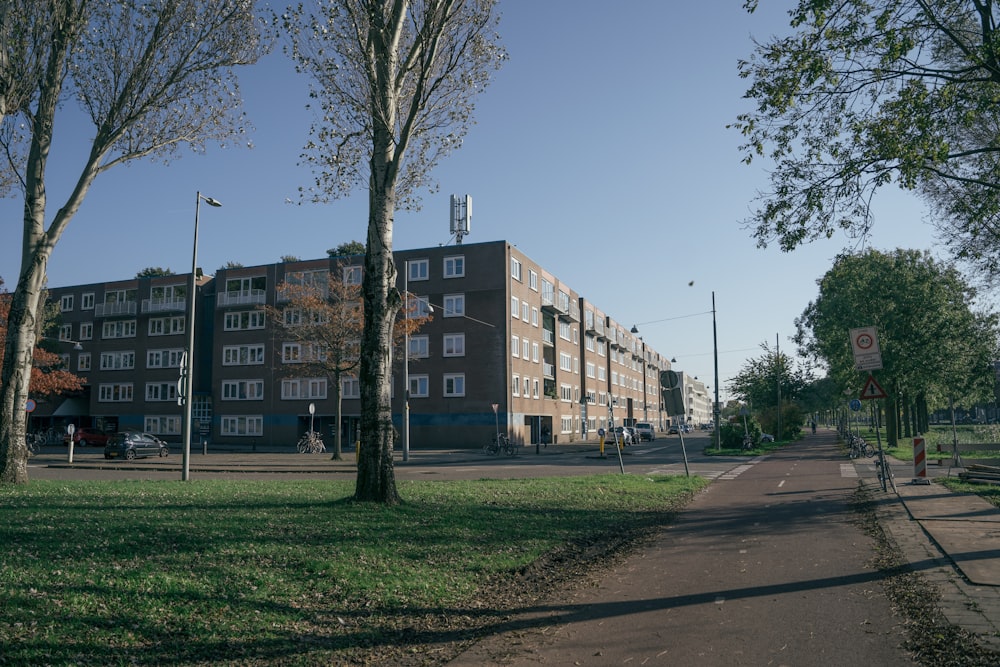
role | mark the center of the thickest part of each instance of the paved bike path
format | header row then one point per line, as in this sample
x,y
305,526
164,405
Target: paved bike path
x,y
766,567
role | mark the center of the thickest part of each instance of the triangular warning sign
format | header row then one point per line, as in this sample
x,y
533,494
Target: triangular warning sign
x,y
872,389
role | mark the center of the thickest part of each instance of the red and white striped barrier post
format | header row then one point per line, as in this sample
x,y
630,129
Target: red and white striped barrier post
x,y
919,459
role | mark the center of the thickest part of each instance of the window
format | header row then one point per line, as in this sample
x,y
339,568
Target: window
x,y
118,329
422,307
515,385
418,269
243,390
533,280
524,310
161,391
515,307
419,347
565,392
535,382
534,352
292,317
248,286
525,345
66,332
66,303
291,353
566,423
167,296
454,267
87,301
350,387
591,370
244,319
243,355
454,345
527,387
601,373
164,358
240,425
166,326
162,424
115,392
64,359
86,330
564,330
534,316
454,384
565,362
83,361
299,388
118,361
454,305
419,386
352,275
515,269
515,346
588,341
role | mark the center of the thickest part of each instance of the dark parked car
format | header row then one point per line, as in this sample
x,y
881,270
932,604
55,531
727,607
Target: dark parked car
x,y
673,430
86,435
130,445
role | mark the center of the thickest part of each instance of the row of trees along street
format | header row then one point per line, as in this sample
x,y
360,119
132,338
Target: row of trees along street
x,y
394,80
862,95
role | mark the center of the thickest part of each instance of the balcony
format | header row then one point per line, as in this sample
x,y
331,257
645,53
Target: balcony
x,y
549,370
117,308
550,305
248,298
548,337
177,304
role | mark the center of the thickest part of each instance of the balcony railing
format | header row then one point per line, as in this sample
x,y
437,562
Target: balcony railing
x,y
117,308
253,297
161,305
549,370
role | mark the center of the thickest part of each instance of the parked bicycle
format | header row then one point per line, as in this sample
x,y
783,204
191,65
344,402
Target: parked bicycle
x,y
860,448
33,441
311,443
500,443
884,471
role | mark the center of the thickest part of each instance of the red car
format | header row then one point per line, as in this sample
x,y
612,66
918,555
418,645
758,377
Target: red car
x,y
86,435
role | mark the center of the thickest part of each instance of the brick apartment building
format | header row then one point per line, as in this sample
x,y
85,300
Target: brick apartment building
x,y
508,345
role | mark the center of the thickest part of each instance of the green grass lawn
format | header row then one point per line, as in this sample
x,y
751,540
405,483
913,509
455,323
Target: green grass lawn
x,y
249,573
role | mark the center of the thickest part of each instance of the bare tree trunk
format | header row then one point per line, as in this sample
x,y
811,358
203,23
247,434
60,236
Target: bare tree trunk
x,y
16,373
376,479
338,434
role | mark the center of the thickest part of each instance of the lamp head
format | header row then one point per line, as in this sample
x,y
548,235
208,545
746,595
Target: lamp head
x,y
211,202
635,329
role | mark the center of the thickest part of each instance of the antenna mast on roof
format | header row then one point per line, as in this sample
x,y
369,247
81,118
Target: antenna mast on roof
x,y
461,216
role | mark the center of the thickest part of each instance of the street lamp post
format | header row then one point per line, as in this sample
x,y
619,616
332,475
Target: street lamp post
x,y
406,361
189,361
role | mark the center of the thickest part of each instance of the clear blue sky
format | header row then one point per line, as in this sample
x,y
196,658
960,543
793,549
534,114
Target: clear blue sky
x,y
600,151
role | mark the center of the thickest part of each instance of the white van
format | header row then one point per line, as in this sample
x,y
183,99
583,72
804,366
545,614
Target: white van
x,y
645,431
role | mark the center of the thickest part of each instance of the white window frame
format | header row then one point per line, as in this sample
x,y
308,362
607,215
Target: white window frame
x,y
86,330
453,385
420,385
350,387
454,305
66,332
419,347
118,360
243,355
164,358
66,303
515,269
533,279
244,320
166,326
353,274
515,307
418,269
454,266
515,385
87,301
115,392
515,346
242,425
243,390
453,345
162,424
83,361
161,391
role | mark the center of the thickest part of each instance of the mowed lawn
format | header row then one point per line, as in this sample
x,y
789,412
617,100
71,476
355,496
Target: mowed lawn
x,y
283,572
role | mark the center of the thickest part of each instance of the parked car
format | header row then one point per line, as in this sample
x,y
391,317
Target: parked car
x,y
132,444
645,431
766,437
86,435
673,430
625,435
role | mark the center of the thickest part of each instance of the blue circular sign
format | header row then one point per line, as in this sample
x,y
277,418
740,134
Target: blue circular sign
x,y
30,405
855,404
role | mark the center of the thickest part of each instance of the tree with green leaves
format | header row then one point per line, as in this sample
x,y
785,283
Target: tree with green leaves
x,y
154,272
151,77
865,94
933,344
770,384
395,82
347,249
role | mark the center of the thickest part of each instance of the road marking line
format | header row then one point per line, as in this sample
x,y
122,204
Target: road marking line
x,y
848,470
781,483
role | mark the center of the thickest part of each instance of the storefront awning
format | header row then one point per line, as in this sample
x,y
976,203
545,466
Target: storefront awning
x,y
72,407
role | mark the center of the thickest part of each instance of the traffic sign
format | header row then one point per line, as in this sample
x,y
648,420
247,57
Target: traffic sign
x,y
872,389
855,404
864,343
30,405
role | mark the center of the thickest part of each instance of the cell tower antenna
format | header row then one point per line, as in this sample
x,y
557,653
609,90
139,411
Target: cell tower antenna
x,y
461,217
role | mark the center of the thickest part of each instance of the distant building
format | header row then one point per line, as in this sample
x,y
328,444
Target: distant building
x,y
509,346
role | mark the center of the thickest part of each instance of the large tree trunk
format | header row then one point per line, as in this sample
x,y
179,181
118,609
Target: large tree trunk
x,y
338,431
376,478
16,372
